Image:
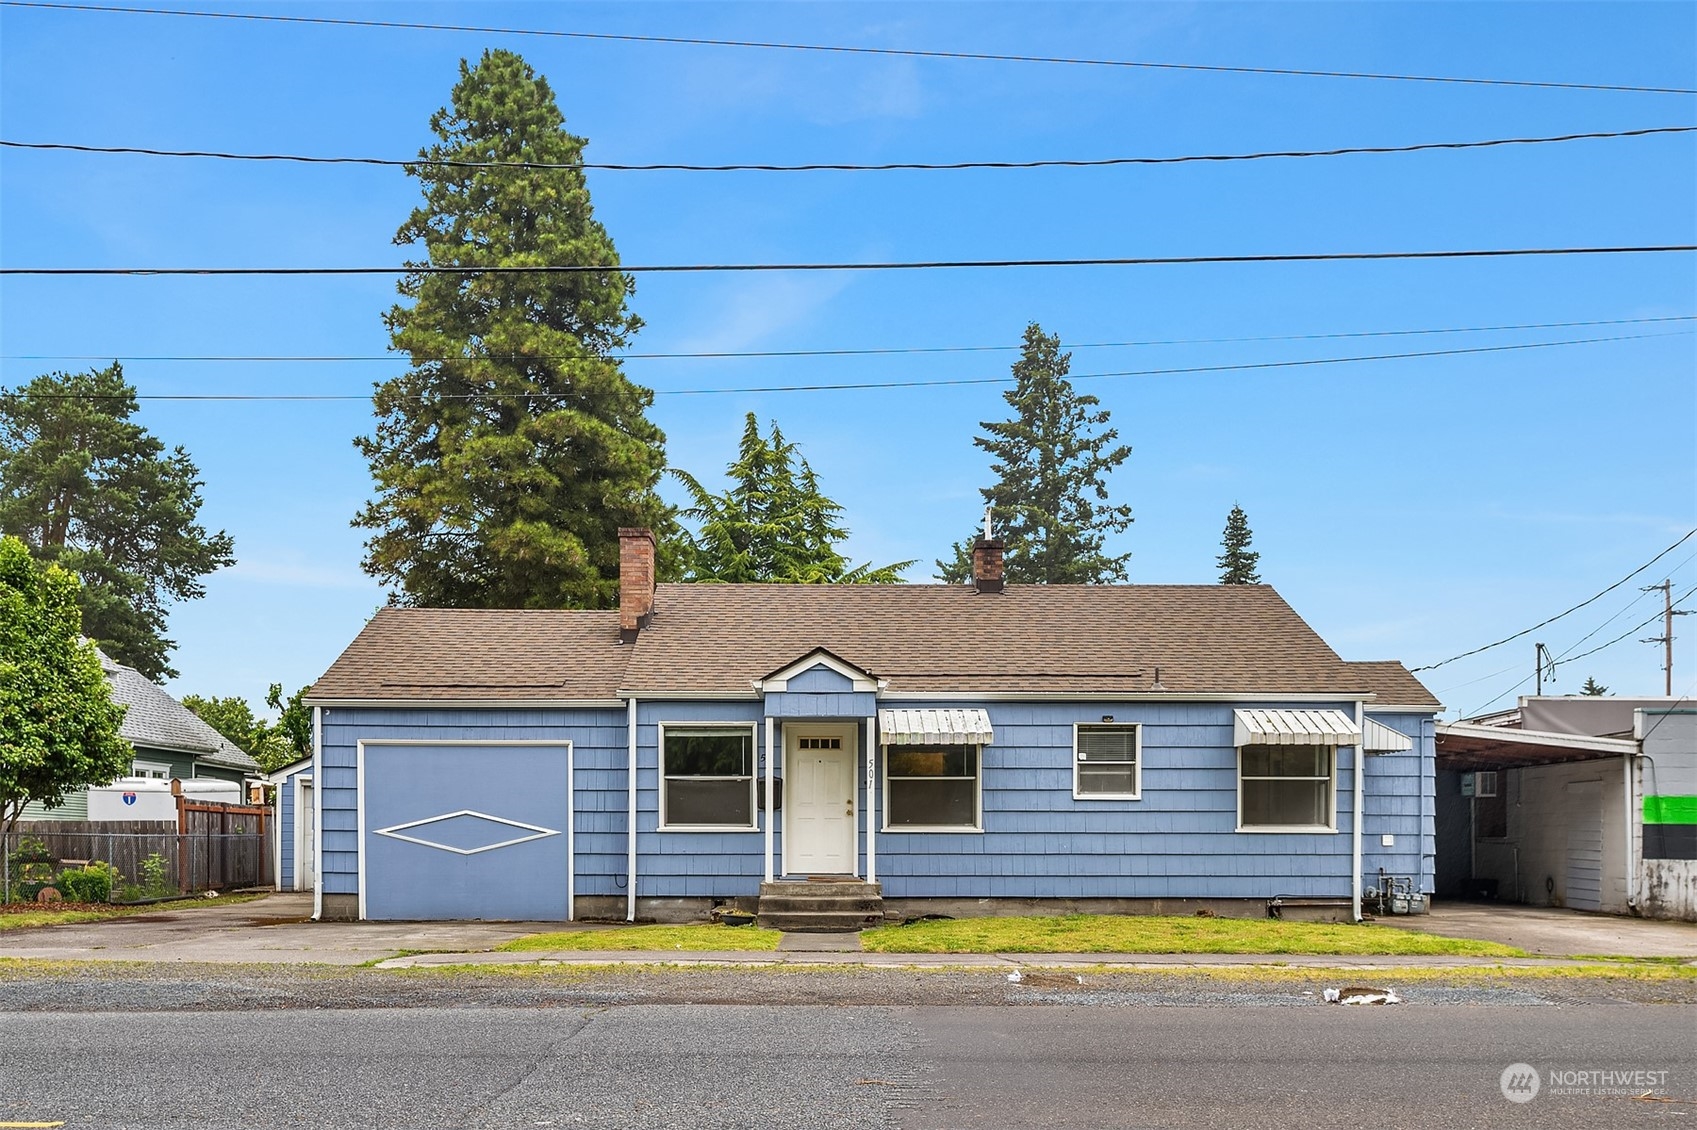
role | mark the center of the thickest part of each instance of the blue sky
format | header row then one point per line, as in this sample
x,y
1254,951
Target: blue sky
x,y
1409,509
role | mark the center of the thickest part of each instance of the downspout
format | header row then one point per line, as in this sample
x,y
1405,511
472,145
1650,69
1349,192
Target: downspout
x,y
317,816
571,836
630,863
1626,762
770,815
1355,821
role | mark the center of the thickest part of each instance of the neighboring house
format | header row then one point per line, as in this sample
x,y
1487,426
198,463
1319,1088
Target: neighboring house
x,y
1577,801
1126,747
169,740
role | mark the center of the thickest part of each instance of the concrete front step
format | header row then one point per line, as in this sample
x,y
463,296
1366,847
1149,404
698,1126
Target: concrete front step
x,y
819,921
821,907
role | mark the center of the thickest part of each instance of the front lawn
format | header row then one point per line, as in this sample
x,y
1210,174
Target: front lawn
x,y
1105,933
710,936
21,915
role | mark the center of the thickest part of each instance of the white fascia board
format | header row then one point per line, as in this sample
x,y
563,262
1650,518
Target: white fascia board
x,y
689,696
1109,696
1375,708
779,680
1506,736
462,704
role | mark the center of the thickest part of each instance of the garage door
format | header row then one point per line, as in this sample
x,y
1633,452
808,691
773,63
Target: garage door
x,y
464,831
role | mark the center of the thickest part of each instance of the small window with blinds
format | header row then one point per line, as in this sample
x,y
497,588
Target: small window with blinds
x,y
1106,763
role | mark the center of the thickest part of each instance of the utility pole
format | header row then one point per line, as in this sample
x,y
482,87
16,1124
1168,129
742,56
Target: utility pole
x,y
1542,660
1666,638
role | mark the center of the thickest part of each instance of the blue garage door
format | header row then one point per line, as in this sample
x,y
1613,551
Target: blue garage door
x,y
465,831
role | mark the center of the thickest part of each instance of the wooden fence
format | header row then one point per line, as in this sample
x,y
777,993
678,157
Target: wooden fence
x,y
209,847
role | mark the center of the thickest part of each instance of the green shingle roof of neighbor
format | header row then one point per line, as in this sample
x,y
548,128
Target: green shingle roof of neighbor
x,y
716,639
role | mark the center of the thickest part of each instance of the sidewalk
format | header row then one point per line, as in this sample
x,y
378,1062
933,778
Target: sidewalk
x,y
277,930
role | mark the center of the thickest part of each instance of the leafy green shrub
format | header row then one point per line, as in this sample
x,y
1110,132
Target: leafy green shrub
x,y
88,884
155,877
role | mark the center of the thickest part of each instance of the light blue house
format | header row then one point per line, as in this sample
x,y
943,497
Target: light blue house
x,y
930,748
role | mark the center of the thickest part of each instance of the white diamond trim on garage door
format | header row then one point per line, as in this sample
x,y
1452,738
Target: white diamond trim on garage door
x,y
537,832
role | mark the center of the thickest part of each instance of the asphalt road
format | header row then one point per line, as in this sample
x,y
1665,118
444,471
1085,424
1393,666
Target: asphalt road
x,y
1061,1059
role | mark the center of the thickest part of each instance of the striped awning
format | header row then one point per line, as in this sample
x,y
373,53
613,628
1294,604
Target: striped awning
x,y
1294,727
934,727
1379,738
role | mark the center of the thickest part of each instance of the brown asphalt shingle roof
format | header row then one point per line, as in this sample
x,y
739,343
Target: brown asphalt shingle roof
x,y
461,653
919,638
1394,684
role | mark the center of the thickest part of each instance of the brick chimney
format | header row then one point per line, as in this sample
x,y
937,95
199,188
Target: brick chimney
x,y
987,564
636,581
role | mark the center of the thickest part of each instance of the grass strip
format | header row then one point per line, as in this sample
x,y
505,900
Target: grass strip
x,y
34,916
1107,933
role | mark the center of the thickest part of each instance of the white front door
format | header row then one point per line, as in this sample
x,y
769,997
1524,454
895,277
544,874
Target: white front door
x,y
819,800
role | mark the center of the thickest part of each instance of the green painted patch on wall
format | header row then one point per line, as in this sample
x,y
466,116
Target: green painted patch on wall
x,y
1670,810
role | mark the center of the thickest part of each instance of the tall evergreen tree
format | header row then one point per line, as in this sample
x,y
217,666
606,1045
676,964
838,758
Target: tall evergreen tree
x,y
1051,460
773,524
1593,688
86,487
1237,561
508,456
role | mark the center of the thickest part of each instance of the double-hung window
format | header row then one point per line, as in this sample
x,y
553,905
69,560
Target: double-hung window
x,y
932,788
707,777
1287,788
1105,762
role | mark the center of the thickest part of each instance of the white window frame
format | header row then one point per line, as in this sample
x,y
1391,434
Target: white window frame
x,y
749,728
976,827
1331,780
152,770
1136,729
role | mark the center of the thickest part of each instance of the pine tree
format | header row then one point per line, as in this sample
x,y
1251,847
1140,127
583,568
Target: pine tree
x,y
85,486
1593,687
1051,459
509,455
773,524
1237,563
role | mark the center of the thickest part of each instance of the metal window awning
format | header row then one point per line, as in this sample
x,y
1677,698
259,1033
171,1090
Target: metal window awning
x,y
934,727
1294,727
1376,737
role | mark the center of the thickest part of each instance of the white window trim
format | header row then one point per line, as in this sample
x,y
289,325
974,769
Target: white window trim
x,y
152,770
975,828
1136,765
1330,829
753,778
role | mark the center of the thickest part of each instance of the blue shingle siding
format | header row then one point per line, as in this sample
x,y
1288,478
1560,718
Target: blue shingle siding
x,y
599,754
695,864
820,679
1179,840
1400,802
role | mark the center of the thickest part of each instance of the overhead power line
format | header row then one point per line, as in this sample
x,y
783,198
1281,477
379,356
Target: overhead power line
x,y
934,264
1589,600
853,386
840,49
863,352
841,167
1566,657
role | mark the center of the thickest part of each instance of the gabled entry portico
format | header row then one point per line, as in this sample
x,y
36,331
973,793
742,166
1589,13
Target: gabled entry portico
x,y
821,715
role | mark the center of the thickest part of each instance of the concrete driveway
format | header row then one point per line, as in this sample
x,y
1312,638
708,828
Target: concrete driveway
x,y
273,929
1553,932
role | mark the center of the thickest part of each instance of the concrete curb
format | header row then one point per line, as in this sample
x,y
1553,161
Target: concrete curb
x,y
1118,961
